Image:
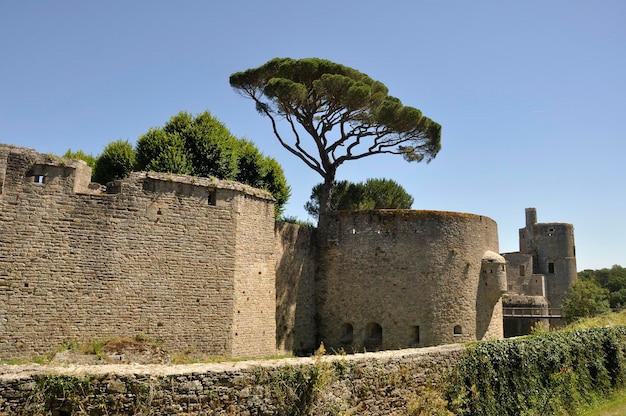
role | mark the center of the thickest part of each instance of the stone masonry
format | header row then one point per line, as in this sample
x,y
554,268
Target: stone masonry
x,y
391,279
539,274
200,265
185,261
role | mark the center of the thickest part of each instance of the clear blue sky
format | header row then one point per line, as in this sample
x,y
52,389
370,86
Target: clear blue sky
x,y
531,94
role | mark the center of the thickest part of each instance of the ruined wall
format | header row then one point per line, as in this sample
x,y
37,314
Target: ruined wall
x,y
553,252
392,279
520,276
155,257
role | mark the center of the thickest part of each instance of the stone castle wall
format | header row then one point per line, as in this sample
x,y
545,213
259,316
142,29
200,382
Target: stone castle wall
x,y
152,257
381,383
392,279
200,265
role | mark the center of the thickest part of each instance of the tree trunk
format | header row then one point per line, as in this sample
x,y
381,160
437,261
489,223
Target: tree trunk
x,y
326,194
325,206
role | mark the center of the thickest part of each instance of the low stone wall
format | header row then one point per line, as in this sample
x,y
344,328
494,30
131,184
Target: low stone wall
x,y
364,384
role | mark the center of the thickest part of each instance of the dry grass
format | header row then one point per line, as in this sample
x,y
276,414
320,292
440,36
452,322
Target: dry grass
x,y
609,319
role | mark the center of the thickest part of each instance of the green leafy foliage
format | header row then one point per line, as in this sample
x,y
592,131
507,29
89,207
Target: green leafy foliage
x,y
116,162
371,194
346,115
201,145
584,299
613,279
550,373
80,155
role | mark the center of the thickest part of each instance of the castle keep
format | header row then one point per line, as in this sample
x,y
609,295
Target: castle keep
x,y
200,265
539,274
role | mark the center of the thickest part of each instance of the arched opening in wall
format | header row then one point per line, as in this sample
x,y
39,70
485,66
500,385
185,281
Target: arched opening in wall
x,y
415,335
458,330
347,334
373,336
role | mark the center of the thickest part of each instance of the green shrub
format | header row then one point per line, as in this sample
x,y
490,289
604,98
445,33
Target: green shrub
x,y
549,373
116,162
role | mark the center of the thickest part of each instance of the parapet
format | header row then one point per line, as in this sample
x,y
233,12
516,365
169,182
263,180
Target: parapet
x,y
22,167
212,190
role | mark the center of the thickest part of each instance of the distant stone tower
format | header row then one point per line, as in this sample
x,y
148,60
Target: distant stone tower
x,y
554,254
540,274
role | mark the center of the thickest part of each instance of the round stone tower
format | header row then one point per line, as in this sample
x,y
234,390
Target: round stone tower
x,y
398,278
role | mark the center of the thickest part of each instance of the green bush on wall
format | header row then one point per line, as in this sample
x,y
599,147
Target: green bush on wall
x,y
550,373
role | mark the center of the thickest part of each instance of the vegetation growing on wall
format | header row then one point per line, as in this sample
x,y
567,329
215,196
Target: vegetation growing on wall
x,y
548,374
551,373
80,155
56,394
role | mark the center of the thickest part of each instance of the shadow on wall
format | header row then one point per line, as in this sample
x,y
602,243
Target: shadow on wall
x,y
295,289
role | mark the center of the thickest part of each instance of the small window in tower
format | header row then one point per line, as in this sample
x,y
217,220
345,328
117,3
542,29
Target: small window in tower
x,y
39,179
212,198
458,330
522,270
550,267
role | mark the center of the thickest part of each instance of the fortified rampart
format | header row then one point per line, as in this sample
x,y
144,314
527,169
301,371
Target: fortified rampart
x,y
199,265
186,261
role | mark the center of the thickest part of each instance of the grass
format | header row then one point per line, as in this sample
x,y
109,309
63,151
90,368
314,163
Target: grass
x,y
613,406
97,347
608,319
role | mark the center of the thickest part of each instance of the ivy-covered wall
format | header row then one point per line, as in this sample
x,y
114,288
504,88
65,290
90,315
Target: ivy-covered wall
x,y
546,374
